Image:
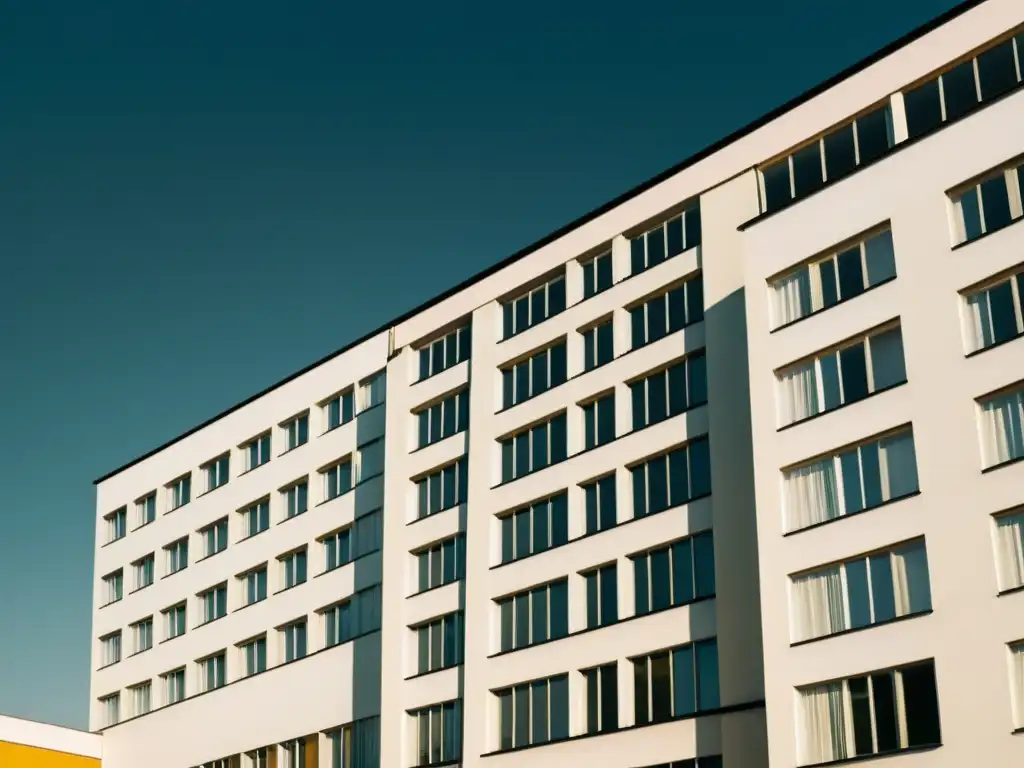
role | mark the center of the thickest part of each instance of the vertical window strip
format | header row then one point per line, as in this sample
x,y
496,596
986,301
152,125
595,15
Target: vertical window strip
x,y
444,353
602,591
533,307
442,563
672,479
533,713
670,391
446,488
534,448
443,419
440,643
674,575
676,682
534,615
534,375
535,528
600,504
438,733
667,313
670,238
597,274
602,698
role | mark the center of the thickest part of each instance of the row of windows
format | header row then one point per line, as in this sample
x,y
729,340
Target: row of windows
x,y
339,623
253,453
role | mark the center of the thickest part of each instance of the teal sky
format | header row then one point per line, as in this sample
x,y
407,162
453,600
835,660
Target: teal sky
x,y
199,198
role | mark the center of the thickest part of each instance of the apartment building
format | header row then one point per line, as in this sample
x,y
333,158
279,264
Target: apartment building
x,y
28,744
591,504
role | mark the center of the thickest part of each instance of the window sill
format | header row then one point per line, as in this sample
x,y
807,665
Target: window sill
x,y
854,630
143,525
355,559
139,589
746,706
885,503
440,440
1000,465
175,509
454,763
289,589
841,406
337,426
112,602
435,587
168,575
108,666
1015,731
346,492
438,373
293,448
119,538
298,514
141,650
841,302
530,327
983,235
445,668
253,535
175,637
208,623
208,491
875,756
977,352
604,530
247,605
435,514
1010,591
245,472
588,630
212,554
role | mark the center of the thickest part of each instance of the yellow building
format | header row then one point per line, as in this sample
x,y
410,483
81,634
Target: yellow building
x,y
27,744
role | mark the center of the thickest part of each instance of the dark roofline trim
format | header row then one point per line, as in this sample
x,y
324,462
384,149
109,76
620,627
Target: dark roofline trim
x,y
636,191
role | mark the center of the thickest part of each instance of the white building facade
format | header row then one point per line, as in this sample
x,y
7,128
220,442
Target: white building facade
x,y
575,509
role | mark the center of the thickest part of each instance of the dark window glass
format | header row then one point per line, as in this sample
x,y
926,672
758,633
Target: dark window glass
x,y
958,90
661,582
639,476
854,373
857,589
522,309
699,452
696,380
558,364
692,225
707,675
685,698
522,519
704,564
922,705
874,135
539,705
589,289
657,398
559,520
675,236
851,273
604,272
609,698
522,716
539,611
641,586
861,710
559,446
506,539
661,687
1004,320
996,203
882,587
884,695
829,284
682,572
655,246
424,364
637,258
677,311
560,707
872,475
807,170
776,185
559,599
638,326
505,716
605,350
522,620
465,342
924,109
609,595
593,617
657,482
840,153
556,297
640,691
996,71
656,319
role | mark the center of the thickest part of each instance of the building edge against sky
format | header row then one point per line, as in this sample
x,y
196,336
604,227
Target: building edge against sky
x,y
28,744
518,523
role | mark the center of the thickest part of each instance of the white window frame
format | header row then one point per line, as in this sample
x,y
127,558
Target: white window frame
x,y
258,451
177,555
113,586
372,391
1009,174
292,429
217,471
173,625
212,672
290,568
142,698
110,709
290,640
984,294
595,261
145,509
179,492
116,524
142,634
144,571
249,653
528,295
110,649
290,496
174,685
208,600
214,537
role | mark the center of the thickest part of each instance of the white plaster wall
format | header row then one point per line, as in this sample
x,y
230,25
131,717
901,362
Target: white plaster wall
x,y
15,730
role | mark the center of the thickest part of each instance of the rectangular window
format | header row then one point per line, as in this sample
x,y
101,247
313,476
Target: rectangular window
x,y
211,672
110,649
678,234
339,410
296,431
142,569
993,314
851,481
1010,550
216,472
174,686
257,452
534,616
835,155
438,733
535,528
676,682
444,353
116,524
179,492
671,479
214,537
111,709
841,275
293,569
254,585
602,589
256,518
254,656
296,499
598,345
988,205
442,489
599,421
369,460
443,419
337,479
858,593
670,391
356,745
600,504
841,376
113,587
678,574
868,714
533,713
145,510
963,88
602,698
174,621
534,448
597,274
1002,437
534,375
353,617
372,391
293,636
533,307
356,540
440,643
142,635
142,698
442,563
671,311
1017,683
177,555
213,603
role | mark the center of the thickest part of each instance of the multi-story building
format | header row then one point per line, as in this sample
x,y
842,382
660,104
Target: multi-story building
x,y
600,511
28,744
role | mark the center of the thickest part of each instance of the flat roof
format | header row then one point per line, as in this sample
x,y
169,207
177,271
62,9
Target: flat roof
x,y
774,114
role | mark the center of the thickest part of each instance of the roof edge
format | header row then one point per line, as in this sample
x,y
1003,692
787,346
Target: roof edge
x,y
817,90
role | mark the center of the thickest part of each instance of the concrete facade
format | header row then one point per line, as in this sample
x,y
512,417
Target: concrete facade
x,y
382,697
28,744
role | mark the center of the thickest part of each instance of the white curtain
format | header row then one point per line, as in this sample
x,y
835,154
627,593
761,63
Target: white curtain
x,y
1001,429
793,297
1017,677
819,607
811,495
798,393
1010,554
977,322
823,726
900,583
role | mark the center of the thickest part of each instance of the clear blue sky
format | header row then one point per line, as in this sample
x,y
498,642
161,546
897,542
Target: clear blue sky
x,y
199,198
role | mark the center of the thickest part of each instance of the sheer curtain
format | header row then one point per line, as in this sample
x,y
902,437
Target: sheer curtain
x,y
1001,429
798,393
1017,678
811,495
823,732
977,322
819,607
793,297
898,465
1010,551
900,583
